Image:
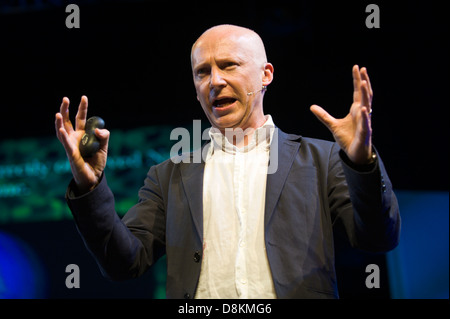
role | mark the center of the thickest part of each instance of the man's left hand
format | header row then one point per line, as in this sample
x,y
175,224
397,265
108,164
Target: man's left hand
x,y
353,133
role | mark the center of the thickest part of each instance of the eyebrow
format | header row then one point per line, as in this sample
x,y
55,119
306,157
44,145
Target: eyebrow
x,y
220,60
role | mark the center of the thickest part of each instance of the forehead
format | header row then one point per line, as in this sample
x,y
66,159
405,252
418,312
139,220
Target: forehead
x,y
221,47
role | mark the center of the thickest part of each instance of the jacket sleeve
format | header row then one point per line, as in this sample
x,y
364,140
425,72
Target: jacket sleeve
x,y
363,203
123,248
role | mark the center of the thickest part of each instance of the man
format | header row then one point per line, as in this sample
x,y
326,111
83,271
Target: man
x,y
229,227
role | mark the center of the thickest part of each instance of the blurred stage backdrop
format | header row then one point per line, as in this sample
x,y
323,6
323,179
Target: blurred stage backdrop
x,y
132,60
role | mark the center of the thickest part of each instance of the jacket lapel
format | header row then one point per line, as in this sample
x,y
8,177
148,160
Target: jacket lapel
x,y
192,179
282,154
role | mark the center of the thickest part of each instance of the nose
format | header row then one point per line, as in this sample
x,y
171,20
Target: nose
x,y
217,80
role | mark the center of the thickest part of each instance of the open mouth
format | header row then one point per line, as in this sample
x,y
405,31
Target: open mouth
x,y
223,102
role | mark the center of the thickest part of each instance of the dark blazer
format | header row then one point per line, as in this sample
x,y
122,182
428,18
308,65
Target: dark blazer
x,y
314,192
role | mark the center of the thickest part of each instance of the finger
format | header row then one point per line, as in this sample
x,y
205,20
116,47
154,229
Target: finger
x,y
64,110
65,140
366,127
356,84
63,136
58,124
365,97
80,119
103,136
360,149
365,77
323,115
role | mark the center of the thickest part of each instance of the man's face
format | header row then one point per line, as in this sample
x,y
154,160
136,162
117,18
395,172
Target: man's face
x,y
225,69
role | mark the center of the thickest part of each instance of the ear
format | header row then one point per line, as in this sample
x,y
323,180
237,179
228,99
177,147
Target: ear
x,y
267,74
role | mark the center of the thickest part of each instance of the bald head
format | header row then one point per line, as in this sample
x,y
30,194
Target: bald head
x,y
248,39
230,70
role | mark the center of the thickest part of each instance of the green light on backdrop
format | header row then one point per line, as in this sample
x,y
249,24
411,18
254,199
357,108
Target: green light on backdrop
x,y
35,172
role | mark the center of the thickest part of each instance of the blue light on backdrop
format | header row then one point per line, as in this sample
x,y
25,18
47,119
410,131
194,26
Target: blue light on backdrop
x,y
21,273
419,267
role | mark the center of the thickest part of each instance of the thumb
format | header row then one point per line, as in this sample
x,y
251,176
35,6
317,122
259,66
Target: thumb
x,y
322,115
103,136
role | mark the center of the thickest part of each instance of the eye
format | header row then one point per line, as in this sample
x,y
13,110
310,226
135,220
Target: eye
x,y
202,71
229,65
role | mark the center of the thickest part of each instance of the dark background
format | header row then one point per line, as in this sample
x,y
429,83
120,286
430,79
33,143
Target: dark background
x,y
132,60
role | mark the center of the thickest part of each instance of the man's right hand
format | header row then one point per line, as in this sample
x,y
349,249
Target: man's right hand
x,y
86,172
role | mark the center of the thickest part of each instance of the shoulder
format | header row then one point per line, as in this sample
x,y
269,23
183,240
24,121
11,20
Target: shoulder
x,y
186,163
307,142
317,142
310,151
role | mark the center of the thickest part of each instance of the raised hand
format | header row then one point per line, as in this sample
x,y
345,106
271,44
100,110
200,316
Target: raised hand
x,y
86,172
353,133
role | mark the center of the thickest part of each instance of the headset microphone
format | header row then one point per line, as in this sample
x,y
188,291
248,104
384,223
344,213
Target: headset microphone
x,y
264,88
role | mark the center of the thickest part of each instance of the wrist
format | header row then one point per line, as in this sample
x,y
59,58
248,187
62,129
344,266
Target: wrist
x,y
372,158
80,189
368,158
366,166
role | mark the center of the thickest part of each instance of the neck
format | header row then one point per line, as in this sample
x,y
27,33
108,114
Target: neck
x,y
242,136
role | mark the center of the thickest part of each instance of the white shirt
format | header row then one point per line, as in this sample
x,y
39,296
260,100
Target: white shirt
x,y
234,259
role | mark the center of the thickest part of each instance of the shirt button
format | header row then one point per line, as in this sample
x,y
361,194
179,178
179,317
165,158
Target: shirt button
x,y
187,296
243,281
197,256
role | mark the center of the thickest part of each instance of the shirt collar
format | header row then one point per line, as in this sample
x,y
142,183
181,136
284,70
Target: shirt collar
x,y
261,139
